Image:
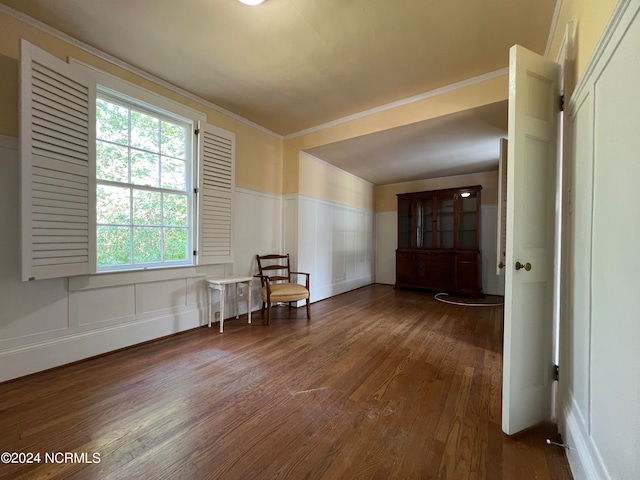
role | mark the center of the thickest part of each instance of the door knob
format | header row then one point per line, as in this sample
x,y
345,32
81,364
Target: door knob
x,y
526,266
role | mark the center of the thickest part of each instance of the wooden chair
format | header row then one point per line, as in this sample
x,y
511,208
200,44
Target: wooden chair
x,y
275,275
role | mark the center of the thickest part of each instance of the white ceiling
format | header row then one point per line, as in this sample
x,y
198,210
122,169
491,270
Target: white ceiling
x,y
289,65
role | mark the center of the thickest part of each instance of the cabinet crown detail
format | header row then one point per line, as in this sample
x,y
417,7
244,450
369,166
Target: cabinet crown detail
x,y
438,240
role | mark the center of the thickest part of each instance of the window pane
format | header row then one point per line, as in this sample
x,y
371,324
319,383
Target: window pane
x,y
147,244
113,205
173,174
112,122
145,168
112,162
114,245
145,132
175,210
174,139
175,243
145,218
147,208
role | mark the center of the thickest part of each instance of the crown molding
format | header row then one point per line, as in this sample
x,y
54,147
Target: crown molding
x,y
552,28
406,101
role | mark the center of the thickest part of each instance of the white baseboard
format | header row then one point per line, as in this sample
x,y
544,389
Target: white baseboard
x,y
583,456
327,291
40,356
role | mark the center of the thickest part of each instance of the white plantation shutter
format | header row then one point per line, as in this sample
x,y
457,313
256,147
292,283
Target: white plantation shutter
x,y
57,132
216,192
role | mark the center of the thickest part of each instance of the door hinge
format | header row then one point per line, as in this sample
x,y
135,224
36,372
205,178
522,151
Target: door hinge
x,y
196,190
562,103
195,253
196,131
556,373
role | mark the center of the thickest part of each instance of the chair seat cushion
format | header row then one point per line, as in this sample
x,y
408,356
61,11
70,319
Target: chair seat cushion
x,y
285,292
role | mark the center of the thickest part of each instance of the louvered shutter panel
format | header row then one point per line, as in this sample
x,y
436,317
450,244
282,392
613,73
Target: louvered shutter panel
x,y
57,148
216,193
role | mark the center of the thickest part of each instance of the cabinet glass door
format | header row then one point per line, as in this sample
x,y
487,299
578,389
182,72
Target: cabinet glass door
x,y
404,224
445,222
424,213
468,220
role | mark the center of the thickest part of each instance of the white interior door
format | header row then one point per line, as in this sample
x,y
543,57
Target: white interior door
x,y
534,107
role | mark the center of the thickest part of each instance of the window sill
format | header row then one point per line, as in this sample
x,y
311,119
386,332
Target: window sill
x,y
114,279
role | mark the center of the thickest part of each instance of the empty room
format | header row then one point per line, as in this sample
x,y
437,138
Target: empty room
x,y
319,239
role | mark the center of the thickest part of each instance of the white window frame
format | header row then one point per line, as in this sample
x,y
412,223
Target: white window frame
x,y
191,162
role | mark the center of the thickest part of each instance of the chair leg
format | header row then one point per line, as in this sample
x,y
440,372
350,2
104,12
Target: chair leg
x,y
308,310
268,313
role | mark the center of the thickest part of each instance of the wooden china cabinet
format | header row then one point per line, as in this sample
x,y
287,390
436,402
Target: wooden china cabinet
x,y
439,240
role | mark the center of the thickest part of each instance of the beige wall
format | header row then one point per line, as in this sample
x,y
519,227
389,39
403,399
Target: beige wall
x,y
8,96
589,19
258,154
321,180
385,195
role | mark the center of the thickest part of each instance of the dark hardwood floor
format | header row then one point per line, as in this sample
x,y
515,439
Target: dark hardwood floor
x,y
380,384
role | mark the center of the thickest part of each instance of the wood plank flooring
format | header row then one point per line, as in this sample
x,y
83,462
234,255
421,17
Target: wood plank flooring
x,y
380,384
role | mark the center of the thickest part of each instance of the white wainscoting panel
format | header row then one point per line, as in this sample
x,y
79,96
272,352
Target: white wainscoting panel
x,y
334,244
386,245
309,238
29,311
257,229
113,305
74,346
578,358
166,295
599,384
290,227
615,282
584,459
338,246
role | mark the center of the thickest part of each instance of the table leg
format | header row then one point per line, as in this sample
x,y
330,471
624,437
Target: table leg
x,y
209,304
222,295
237,303
249,301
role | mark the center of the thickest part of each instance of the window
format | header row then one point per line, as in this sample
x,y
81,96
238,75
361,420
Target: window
x,y
143,187
114,177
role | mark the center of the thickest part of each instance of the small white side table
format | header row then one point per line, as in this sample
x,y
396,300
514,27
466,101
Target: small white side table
x,y
220,284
